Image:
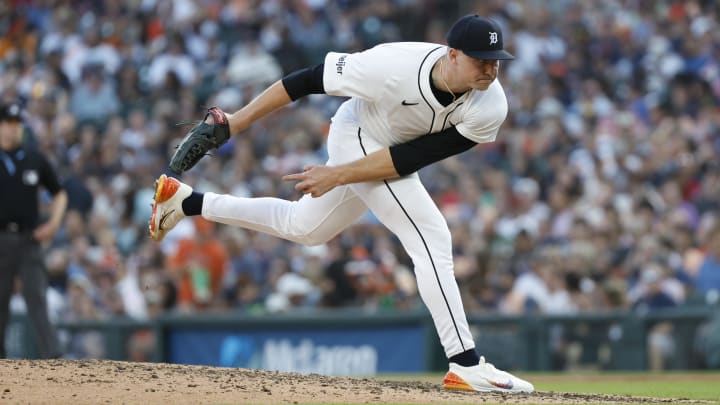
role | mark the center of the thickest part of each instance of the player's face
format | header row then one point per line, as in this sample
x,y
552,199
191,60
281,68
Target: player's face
x,y
10,134
476,73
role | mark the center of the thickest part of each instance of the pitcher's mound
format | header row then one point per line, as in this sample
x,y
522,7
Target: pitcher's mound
x,y
115,382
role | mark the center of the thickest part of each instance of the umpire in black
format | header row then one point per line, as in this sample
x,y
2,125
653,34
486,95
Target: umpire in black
x,y
22,172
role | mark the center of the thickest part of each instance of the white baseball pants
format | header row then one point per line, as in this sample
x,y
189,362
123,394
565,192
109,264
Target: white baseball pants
x,y
403,205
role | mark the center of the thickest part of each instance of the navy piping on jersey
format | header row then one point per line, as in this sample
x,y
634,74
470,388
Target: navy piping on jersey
x,y
432,121
432,262
448,116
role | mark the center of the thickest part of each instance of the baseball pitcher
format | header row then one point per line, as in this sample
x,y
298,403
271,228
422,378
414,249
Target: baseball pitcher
x,y
411,104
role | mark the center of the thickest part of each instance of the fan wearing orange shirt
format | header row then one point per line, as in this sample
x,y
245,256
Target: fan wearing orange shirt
x,y
199,265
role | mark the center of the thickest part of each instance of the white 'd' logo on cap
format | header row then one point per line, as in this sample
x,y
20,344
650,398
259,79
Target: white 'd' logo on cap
x,y
493,38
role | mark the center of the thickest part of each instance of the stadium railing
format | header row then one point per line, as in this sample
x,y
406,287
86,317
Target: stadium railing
x,y
605,341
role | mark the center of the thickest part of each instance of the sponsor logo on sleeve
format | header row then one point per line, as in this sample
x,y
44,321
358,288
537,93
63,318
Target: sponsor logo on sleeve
x,y
340,64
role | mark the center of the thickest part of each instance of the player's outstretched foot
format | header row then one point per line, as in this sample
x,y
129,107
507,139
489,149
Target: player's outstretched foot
x,y
167,206
484,378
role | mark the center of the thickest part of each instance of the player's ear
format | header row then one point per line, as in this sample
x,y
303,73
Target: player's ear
x,y
452,54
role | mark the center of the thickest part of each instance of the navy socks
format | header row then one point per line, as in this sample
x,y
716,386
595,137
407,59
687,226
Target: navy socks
x,y
192,205
466,359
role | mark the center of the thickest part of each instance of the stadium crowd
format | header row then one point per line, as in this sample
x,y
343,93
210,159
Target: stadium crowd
x,y
601,192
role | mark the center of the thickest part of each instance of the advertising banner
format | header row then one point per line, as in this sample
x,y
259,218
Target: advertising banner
x,y
347,351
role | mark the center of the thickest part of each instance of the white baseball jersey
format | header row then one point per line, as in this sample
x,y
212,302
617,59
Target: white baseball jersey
x,y
391,102
392,99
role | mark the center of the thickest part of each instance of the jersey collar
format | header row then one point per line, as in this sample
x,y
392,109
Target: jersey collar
x,y
425,77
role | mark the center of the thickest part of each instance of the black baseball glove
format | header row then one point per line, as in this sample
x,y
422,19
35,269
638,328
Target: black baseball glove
x,y
201,138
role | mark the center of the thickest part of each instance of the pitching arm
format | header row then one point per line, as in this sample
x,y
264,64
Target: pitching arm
x,y
388,163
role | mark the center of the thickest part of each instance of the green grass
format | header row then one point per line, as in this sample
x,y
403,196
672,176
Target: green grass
x,y
689,385
679,385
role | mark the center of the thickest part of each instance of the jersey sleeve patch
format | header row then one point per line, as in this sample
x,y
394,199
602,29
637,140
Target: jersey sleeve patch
x,y
353,75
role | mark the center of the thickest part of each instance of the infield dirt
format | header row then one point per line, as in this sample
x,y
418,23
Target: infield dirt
x,y
113,382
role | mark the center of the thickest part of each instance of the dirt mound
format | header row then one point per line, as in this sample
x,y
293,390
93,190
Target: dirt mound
x,y
114,382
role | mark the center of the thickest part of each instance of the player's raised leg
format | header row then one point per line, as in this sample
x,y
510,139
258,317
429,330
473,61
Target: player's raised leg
x,y
308,221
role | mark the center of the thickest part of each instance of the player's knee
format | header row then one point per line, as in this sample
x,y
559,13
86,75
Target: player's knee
x,y
313,239
306,232
305,236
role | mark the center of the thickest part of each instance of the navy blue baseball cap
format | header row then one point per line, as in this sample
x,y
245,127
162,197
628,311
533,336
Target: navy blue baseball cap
x,y
11,112
478,37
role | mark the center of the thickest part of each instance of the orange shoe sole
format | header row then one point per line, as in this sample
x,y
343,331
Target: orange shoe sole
x,y
165,188
453,382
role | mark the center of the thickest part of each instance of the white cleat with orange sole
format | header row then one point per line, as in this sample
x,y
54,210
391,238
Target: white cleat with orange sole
x,y
167,206
484,378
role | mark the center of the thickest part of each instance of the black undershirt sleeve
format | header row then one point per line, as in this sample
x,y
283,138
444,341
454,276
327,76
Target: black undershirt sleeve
x,y
305,81
413,155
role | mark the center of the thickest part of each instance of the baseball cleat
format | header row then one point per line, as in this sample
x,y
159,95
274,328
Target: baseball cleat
x,y
484,378
167,206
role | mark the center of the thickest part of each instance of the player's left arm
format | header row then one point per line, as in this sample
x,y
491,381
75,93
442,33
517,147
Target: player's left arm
x,y
388,163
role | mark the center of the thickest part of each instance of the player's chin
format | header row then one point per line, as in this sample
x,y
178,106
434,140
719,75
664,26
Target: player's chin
x,y
481,85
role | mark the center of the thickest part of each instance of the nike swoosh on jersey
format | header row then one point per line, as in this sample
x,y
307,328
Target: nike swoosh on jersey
x,y
404,102
163,218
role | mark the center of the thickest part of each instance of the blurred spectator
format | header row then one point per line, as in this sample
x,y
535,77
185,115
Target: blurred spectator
x,y
252,65
173,67
707,343
199,264
339,289
707,280
655,290
246,272
94,100
292,292
541,288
